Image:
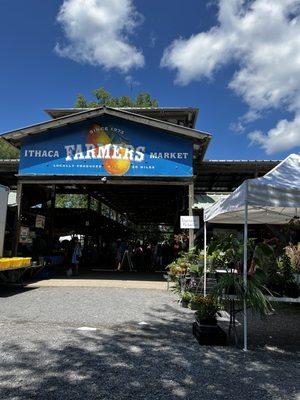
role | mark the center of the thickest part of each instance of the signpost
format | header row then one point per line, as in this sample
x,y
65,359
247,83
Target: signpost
x,y
189,222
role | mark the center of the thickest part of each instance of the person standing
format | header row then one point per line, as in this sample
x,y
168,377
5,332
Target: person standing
x,y
74,257
158,255
121,248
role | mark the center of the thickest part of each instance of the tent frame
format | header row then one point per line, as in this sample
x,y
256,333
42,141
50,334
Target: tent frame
x,y
245,272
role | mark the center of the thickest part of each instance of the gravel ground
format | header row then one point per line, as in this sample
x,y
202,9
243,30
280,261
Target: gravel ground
x,y
139,346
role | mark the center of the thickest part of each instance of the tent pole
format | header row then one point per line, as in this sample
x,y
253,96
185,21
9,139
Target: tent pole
x,y
245,271
204,275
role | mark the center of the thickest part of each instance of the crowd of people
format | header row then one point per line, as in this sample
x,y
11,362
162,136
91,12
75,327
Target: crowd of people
x,y
123,254
148,256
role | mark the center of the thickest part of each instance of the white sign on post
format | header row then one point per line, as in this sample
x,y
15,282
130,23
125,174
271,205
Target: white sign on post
x,y
189,222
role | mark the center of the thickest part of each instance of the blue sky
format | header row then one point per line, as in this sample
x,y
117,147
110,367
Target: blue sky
x,y
229,63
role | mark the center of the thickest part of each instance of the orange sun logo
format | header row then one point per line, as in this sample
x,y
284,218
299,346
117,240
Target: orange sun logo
x,y
98,137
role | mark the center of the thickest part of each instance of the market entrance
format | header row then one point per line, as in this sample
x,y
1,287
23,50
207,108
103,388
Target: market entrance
x,y
103,175
128,226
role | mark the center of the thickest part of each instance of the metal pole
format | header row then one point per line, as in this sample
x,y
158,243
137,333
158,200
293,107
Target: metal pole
x,y
191,204
245,270
204,275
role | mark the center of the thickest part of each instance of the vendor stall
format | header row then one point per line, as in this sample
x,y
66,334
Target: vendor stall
x,y
271,199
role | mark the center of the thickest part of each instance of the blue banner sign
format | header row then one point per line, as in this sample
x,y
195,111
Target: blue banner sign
x,y
106,146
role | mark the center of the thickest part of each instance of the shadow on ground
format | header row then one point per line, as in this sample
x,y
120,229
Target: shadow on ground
x,y
156,361
116,275
7,290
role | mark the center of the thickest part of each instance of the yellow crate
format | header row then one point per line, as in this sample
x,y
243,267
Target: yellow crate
x,y
5,263
15,262
23,262
28,260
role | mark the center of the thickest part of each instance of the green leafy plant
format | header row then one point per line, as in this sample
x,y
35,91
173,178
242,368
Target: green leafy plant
x,y
254,294
228,252
187,262
185,273
186,296
206,308
281,280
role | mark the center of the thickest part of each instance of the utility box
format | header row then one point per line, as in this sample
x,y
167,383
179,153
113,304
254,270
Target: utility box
x,y
3,211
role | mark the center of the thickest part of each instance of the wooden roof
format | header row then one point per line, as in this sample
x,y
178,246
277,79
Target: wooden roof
x,y
14,137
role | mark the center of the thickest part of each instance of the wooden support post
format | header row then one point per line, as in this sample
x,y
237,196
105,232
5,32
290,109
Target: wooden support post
x,y
88,220
89,198
191,204
18,219
52,212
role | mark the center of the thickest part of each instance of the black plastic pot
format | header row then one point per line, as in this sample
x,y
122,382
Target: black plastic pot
x,y
292,290
209,335
184,303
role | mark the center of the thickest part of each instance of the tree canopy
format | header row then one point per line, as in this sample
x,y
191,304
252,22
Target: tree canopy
x,y
102,97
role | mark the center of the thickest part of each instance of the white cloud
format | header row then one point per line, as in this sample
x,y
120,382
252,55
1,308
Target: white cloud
x,y
285,136
97,33
261,37
130,81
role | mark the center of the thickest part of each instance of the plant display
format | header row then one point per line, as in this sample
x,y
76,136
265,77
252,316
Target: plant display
x,y
228,253
280,279
206,309
190,262
175,270
271,265
271,270
186,273
293,252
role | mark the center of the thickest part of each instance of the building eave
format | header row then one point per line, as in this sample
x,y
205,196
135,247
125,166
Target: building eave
x,y
190,114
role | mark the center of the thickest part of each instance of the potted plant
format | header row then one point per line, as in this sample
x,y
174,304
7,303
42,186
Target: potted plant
x,y
206,310
254,293
205,328
185,298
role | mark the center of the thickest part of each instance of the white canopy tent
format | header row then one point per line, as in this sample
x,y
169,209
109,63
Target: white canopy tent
x,y
271,199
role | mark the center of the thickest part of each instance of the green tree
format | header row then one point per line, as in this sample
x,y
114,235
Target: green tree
x,y
125,101
102,97
7,151
80,101
144,100
71,201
